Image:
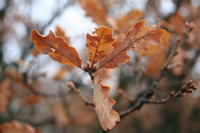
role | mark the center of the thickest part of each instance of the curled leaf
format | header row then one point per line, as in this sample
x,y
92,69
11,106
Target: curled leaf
x,y
137,38
99,46
56,47
103,106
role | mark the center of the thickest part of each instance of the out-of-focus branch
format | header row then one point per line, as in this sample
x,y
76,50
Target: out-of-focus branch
x,y
188,88
143,96
78,91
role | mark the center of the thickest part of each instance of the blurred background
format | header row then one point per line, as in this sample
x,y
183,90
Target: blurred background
x,y
36,85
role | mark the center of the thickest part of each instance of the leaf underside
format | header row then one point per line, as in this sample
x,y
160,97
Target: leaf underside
x,y
103,106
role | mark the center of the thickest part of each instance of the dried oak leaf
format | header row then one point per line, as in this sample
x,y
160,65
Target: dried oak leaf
x,y
137,38
5,94
178,23
56,47
156,56
93,10
16,127
126,21
99,46
35,52
61,32
103,106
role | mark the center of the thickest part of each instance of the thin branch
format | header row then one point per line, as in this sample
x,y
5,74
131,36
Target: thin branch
x,y
189,88
143,96
78,91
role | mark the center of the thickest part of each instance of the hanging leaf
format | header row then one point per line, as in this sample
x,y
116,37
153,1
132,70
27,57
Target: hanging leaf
x,y
99,46
16,127
137,38
56,47
103,106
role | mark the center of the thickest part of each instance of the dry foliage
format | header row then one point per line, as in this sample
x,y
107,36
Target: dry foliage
x,y
157,62
103,106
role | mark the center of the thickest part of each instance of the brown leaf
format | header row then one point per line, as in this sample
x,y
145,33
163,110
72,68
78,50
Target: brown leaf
x,y
177,23
16,127
126,21
61,32
35,52
93,10
5,94
156,56
103,106
137,38
56,47
99,46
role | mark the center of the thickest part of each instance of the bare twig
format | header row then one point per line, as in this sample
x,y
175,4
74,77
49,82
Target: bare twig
x,y
78,91
189,88
142,97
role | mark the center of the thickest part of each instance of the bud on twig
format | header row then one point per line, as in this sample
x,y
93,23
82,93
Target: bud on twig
x,y
94,68
192,86
172,93
189,90
85,68
183,89
195,87
189,82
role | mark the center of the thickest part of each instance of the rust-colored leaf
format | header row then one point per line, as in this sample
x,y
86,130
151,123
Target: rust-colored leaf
x,y
177,23
156,56
5,94
61,32
56,47
16,127
99,46
93,10
103,106
137,38
35,52
126,21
